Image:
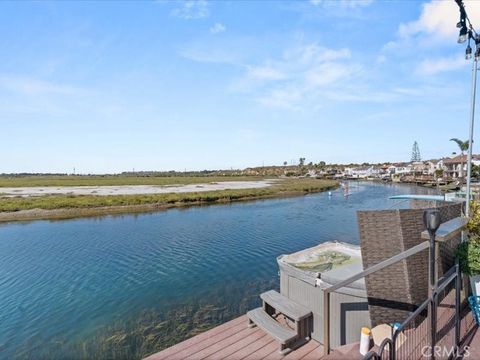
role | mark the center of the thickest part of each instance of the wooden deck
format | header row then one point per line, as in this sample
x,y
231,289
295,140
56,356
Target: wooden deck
x,y
234,341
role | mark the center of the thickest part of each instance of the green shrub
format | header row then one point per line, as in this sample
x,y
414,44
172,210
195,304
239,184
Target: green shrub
x,y
474,221
468,252
469,256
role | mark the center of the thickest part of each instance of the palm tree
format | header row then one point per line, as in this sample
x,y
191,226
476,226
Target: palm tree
x,y
463,146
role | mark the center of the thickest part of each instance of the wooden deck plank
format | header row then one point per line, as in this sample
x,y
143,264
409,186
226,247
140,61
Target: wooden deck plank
x,y
252,348
294,354
240,328
303,350
315,354
226,351
216,333
274,355
219,345
265,351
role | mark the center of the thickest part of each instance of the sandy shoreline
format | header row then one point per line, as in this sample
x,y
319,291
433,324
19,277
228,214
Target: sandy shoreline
x,y
54,203
131,189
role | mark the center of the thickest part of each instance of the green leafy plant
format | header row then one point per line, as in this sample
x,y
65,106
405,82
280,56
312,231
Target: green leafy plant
x,y
468,252
469,256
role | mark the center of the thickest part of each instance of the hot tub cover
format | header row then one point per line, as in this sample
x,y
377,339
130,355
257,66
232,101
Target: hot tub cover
x,y
331,262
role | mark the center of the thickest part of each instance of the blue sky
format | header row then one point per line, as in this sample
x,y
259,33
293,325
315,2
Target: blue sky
x,y
111,86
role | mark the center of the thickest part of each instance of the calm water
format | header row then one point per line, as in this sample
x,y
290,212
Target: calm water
x,y
126,286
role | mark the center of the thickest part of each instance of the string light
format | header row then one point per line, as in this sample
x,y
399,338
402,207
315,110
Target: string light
x,y
467,31
468,52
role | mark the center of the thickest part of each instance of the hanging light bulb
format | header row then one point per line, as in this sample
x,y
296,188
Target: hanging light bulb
x,y
463,36
468,53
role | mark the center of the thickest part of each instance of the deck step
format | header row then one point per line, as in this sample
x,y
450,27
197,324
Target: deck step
x,y
285,306
270,326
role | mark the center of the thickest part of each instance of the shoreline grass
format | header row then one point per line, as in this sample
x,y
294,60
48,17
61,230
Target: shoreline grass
x,y
70,206
116,180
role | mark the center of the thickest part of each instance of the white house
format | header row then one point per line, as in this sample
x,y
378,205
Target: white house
x,y
457,166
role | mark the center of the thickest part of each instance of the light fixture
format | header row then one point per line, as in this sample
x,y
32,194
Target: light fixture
x,y
463,36
468,52
477,53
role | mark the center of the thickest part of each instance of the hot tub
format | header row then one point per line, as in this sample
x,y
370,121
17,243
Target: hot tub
x,y
304,275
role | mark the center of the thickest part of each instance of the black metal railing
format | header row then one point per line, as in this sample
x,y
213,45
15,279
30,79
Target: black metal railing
x,y
432,330
380,266
385,349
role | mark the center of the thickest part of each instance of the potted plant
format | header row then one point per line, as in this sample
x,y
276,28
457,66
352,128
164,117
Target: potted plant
x,y
469,251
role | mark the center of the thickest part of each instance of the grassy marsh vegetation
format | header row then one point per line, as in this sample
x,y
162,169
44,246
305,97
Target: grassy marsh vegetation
x,y
90,205
113,180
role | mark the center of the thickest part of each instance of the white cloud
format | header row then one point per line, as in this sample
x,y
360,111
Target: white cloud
x,y
35,87
380,59
313,53
303,76
26,94
435,66
264,73
440,18
191,9
348,4
328,73
217,28
286,98
302,73
218,55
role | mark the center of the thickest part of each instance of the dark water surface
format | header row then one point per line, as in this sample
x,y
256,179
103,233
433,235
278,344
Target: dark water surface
x,y
126,286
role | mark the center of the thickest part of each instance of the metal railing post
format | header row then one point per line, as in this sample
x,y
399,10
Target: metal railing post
x,y
433,324
326,322
458,285
431,220
393,349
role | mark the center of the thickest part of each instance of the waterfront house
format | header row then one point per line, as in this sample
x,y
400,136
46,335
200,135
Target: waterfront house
x,y
362,172
418,168
365,172
456,167
401,168
434,165
391,169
